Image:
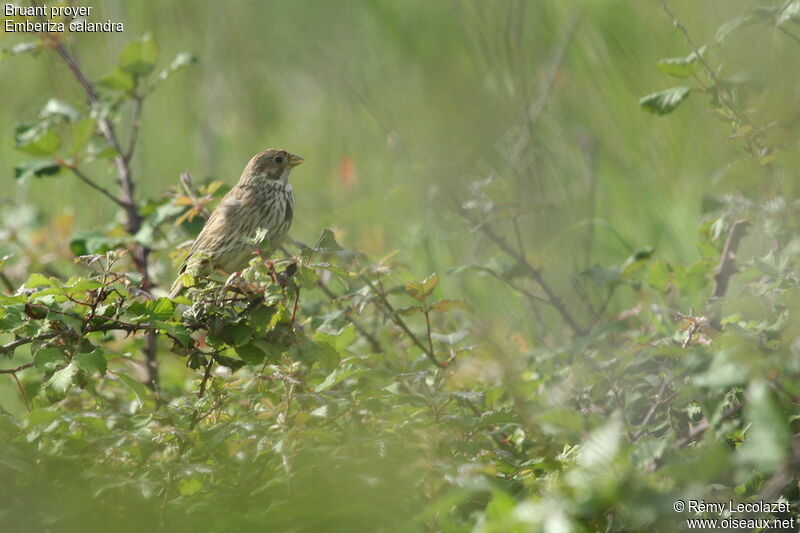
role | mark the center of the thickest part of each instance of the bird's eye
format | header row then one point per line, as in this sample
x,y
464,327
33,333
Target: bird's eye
x,y
278,159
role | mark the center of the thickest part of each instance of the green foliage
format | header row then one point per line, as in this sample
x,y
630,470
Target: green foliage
x,y
666,101
324,390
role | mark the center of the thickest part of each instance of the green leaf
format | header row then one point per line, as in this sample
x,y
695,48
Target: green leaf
x,y
139,56
57,108
635,263
188,279
138,389
327,242
36,139
603,444
92,362
38,280
190,486
119,80
230,362
659,275
665,102
681,67
159,309
251,354
48,359
62,379
340,340
769,435
37,168
421,290
81,134
92,242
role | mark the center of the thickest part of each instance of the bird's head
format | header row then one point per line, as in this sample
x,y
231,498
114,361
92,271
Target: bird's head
x,y
271,165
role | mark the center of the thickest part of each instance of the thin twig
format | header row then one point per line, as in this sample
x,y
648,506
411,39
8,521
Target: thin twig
x,y
21,391
660,400
790,34
401,323
91,183
532,271
15,370
206,375
135,126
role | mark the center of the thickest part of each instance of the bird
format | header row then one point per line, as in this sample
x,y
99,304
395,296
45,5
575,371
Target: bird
x,y
261,203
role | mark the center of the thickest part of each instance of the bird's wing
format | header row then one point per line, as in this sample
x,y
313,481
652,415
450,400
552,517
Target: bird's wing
x,y
218,225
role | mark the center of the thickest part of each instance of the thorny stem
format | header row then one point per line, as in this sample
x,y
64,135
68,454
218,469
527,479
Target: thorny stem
x,y
127,186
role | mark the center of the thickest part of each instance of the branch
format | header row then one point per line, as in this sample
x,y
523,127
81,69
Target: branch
x,y
400,322
91,183
660,400
15,370
532,271
206,375
790,34
727,263
135,126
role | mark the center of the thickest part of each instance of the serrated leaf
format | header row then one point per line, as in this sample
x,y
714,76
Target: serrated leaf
x,y
92,362
421,290
159,309
666,101
187,279
62,379
38,280
139,56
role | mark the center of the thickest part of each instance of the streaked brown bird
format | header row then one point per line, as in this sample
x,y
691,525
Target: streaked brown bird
x,y
261,203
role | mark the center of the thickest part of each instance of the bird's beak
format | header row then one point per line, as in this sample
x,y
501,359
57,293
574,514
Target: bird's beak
x,y
295,160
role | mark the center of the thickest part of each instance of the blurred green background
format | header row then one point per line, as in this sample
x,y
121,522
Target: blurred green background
x,y
398,107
